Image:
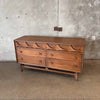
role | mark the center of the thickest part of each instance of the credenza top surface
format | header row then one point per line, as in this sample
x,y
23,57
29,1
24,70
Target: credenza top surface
x,y
65,40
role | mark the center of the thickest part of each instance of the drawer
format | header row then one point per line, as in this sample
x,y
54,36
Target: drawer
x,y
63,55
31,60
64,65
30,44
72,48
31,52
68,48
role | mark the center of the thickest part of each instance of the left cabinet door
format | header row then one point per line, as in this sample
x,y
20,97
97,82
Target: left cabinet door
x,y
31,56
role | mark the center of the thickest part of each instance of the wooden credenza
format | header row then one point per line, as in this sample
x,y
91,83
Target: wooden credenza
x,y
55,54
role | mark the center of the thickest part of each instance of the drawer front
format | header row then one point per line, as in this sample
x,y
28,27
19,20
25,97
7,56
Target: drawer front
x,y
63,55
31,60
64,65
30,44
72,48
50,46
68,48
31,52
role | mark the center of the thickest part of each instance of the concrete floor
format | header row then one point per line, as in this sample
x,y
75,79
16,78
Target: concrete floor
x,y
39,85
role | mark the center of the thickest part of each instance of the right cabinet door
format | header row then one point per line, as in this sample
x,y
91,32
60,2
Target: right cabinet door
x,y
64,60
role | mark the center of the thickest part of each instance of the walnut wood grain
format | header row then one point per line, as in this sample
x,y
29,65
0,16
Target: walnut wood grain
x,y
48,39
64,55
64,64
21,67
31,52
31,60
54,70
58,53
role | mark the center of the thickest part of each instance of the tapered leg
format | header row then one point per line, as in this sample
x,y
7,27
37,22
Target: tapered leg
x,y
46,68
21,66
76,76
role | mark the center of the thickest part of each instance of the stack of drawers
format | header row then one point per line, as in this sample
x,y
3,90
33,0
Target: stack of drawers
x,y
56,54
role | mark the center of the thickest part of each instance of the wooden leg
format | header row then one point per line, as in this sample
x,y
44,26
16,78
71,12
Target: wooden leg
x,y
76,76
21,66
46,68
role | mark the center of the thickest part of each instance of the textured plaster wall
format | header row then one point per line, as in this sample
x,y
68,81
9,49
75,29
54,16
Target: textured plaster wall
x,y
24,17
79,18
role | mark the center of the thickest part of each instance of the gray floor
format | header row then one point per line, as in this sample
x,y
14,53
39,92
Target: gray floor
x,y
39,85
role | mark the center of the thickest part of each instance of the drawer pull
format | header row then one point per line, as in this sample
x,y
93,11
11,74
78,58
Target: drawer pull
x,y
75,57
21,51
51,62
40,53
18,43
52,55
27,44
21,58
40,61
75,66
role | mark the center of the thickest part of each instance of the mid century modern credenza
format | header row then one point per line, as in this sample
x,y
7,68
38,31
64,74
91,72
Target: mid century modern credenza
x,y
54,54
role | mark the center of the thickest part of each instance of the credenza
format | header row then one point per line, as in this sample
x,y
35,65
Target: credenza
x,y
54,54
